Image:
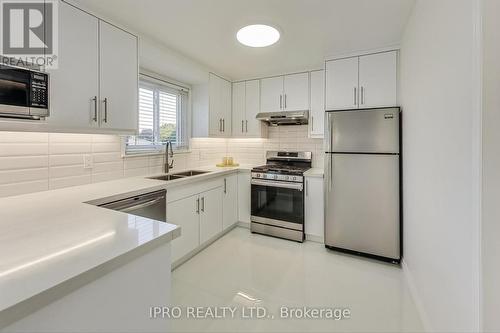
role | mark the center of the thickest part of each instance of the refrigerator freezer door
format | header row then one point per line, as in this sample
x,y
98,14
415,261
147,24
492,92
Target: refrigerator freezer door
x,y
364,131
362,203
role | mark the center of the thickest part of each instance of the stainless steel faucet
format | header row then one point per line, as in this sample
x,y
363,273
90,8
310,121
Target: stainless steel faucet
x,y
169,156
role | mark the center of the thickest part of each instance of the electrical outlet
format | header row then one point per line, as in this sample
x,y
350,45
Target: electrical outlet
x,y
88,162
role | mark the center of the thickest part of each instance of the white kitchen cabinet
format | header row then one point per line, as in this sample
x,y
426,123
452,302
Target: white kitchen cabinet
x,y
185,213
219,111
367,81
246,106
118,78
230,201
239,107
75,83
378,80
317,110
314,208
210,214
342,84
296,92
285,93
271,94
95,87
244,197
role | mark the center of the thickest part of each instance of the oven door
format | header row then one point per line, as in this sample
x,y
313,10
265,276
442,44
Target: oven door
x,y
15,95
278,203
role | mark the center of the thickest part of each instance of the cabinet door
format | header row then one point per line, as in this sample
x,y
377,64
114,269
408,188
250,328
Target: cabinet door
x,y
214,95
184,213
314,207
230,201
238,109
225,97
378,80
74,85
253,127
296,88
119,79
342,84
244,197
271,94
317,112
211,214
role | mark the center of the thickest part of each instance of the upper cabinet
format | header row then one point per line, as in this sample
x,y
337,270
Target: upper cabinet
x,y
368,81
219,106
118,78
95,87
317,111
212,108
285,93
246,106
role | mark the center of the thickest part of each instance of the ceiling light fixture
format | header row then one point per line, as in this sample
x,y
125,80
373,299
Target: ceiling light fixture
x,y
258,35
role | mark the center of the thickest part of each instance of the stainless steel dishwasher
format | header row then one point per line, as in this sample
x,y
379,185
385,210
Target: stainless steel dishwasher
x,y
152,205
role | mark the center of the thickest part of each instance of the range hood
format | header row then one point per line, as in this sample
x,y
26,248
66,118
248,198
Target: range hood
x,y
284,118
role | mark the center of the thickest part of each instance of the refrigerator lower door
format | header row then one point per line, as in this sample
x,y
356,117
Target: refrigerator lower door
x,y
362,204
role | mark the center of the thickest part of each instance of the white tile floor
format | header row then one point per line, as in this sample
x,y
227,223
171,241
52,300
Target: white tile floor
x,y
241,270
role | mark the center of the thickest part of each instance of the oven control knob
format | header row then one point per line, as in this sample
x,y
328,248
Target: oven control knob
x,y
294,178
286,178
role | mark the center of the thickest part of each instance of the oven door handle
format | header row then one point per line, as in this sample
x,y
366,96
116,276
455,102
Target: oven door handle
x,y
270,183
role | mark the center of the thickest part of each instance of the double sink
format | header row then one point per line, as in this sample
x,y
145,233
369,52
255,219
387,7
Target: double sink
x,y
179,175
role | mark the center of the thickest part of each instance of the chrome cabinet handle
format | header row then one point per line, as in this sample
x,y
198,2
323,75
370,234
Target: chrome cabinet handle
x,y
95,119
246,125
105,120
312,123
202,204
242,126
198,206
355,95
225,186
281,102
362,95
285,101
223,125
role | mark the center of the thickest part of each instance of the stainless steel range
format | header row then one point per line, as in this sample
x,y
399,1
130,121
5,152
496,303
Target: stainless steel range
x,y
278,195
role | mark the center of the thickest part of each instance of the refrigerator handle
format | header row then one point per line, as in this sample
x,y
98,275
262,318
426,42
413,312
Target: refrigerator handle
x,y
329,133
329,172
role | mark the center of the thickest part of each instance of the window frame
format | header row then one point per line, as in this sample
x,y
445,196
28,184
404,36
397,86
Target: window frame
x,y
157,82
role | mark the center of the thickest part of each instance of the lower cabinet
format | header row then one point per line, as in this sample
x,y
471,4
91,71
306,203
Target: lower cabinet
x,y
185,213
230,201
314,209
202,210
210,214
244,197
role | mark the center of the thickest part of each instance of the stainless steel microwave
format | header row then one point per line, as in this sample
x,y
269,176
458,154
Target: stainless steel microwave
x,y
24,93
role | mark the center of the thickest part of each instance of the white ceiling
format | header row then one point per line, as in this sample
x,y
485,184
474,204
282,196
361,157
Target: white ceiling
x,y
312,30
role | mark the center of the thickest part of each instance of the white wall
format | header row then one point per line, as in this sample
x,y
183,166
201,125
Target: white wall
x,y
441,162
491,166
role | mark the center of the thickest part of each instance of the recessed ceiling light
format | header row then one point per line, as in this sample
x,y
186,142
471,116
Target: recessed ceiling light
x,y
258,35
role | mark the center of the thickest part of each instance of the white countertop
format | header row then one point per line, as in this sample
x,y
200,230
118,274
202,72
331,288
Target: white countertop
x,y
314,172
50,237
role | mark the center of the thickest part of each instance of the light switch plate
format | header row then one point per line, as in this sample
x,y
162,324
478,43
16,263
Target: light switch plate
x,y
88,162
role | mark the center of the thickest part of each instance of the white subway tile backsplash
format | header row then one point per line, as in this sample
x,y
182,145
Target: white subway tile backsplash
x,y
55,183
23,162
23,188
31,162
23,175
23,149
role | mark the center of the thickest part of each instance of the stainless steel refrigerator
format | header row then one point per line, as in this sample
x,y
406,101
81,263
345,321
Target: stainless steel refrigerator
x,y
362,183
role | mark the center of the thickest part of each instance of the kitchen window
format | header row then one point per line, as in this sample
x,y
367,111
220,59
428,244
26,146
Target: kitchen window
x,y
163,117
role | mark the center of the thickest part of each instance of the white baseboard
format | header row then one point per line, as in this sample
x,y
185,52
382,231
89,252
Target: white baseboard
x,y
244,224
416,298
315,238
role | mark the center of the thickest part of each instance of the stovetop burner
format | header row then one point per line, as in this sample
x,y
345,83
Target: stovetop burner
x,y
282,169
